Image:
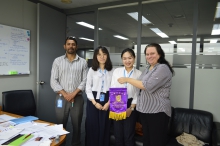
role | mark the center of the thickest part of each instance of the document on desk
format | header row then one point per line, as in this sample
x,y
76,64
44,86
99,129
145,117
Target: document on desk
x,y
36,141
9,133
33,129
6,125
53,131
5,117
32,143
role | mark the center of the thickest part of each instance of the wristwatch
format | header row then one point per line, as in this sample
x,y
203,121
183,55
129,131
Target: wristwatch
x,y
131,108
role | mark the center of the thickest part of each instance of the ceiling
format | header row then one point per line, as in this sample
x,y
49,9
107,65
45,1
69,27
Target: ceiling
x,y
173,17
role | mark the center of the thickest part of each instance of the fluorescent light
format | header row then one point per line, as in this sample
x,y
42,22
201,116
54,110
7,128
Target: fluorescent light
x,y
216,29
187,40
120,37
135,16
82,38
213,41
87,25
159,32
217,13
172,42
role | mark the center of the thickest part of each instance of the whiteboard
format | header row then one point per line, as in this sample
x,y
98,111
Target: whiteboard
x,y
14,50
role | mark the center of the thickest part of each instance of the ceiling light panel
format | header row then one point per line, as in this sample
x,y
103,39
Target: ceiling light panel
x,y
213,41
216,29
217,13
120,37
82,38
135,16
159,32
87,25
187,40
172,42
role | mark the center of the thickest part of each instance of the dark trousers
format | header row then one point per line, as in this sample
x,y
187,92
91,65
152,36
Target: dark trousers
x,y
97,124
76,113
124,130
155,128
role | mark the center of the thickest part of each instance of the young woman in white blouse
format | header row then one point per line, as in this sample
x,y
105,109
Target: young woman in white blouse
x,y
97,90
124,130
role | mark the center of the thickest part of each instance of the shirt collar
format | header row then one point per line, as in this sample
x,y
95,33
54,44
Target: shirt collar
x,y
154,65
130,70
76,58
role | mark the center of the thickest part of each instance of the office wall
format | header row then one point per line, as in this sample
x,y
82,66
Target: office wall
x,y
207,93
21,14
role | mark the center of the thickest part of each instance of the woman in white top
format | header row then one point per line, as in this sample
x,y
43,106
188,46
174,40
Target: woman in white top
x,y
97,90
124,130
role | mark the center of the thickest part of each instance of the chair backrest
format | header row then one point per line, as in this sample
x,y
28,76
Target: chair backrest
x,y
196,122
19,102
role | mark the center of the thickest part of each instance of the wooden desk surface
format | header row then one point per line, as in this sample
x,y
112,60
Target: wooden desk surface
x,y
62,138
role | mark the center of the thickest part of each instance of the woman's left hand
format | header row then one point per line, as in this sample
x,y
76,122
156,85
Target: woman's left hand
x,y
122,80
105,107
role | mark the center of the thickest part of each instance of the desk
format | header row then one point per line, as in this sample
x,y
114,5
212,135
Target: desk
x,y
62,138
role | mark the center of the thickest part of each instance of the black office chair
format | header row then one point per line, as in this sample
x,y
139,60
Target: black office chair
x,y
20,102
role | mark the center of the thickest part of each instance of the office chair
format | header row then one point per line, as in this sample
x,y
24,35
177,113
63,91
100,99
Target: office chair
x,y
20,102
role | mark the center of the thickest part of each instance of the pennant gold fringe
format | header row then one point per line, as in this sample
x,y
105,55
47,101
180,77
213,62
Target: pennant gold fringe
x,y
117,116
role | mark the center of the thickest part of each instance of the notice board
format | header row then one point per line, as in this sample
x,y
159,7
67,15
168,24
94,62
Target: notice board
x,y
14,50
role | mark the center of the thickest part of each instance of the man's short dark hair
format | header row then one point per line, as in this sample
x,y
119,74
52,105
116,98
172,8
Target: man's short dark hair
x,y
71,38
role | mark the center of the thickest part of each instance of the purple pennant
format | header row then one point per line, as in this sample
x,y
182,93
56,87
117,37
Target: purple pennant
x,y
118,99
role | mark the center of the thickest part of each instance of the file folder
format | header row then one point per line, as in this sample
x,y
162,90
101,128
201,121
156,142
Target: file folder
x,y
24,119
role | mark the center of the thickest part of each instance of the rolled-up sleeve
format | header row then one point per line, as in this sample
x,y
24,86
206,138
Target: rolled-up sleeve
x,y
54,79
157,78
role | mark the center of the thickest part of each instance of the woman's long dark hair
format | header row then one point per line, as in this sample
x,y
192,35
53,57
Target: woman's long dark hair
x,y
95,62
162,59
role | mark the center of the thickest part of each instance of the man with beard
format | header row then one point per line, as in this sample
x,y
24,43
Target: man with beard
x,y
68,79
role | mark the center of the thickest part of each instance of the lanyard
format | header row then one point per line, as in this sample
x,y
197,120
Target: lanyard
x,y
127,76
103,78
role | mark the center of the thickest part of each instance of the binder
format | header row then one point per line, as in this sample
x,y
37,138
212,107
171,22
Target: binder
x,y
18,140
24,119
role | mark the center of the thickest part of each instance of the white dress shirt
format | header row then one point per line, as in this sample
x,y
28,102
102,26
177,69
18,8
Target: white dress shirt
x,y
131,90
94,82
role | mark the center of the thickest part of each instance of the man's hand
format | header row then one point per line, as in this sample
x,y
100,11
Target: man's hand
x,y
68,96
